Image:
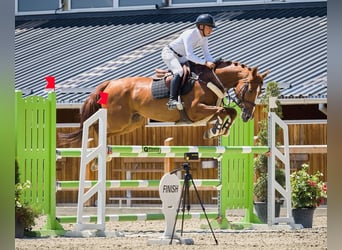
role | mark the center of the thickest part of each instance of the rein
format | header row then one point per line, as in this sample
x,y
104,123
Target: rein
x,y
219,81
218,88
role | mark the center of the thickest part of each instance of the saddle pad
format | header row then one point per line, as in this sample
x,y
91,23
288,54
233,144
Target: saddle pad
x,y
159,90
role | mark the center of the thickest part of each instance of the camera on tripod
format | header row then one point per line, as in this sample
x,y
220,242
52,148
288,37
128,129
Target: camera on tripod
x,y
191,156
185,195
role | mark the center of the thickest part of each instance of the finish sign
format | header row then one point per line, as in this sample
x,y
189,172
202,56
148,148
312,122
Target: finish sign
x,y
170,191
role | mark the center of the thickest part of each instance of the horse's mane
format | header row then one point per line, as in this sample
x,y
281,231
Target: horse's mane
x,y
220,63
224,63
205,74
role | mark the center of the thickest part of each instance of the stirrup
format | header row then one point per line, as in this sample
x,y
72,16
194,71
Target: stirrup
x,y
173,104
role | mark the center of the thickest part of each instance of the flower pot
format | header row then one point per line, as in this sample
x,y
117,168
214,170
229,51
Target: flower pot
x,y
261,210
19,229
303,216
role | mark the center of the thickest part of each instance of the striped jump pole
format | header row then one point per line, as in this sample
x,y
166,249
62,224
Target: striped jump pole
x,y
209,184
167,151
134,217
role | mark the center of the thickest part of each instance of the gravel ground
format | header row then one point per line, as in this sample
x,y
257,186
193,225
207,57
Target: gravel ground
x,y
140,235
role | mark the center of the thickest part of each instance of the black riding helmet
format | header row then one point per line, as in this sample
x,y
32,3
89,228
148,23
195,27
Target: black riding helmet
x,y
206,19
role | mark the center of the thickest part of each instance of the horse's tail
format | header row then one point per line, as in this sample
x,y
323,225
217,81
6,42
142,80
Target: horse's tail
x,y
89,107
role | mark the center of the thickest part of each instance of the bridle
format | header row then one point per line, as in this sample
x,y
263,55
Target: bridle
x,y
242,92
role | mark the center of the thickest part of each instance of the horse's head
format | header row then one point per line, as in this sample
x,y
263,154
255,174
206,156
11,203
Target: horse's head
x,y
247,90
247,83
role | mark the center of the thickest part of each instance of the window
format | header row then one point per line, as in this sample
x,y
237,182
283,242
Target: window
x,y
80,4
126,3
37,5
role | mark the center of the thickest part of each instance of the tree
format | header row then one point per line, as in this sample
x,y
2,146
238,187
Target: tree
x,y
260,163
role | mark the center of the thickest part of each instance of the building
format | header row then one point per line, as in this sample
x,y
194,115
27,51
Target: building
x,y
84,43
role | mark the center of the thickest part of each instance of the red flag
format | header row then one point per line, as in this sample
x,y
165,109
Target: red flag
x,y
103,98
50,82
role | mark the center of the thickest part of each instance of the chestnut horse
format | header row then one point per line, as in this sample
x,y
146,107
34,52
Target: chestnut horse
x,y
130,100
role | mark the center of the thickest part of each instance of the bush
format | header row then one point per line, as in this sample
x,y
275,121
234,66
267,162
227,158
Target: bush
x,y
24,212
260,162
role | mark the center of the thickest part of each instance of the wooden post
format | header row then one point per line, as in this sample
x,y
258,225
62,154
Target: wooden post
x,y
169,163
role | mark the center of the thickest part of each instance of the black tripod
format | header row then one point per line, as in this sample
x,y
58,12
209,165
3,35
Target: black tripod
x,y
185,197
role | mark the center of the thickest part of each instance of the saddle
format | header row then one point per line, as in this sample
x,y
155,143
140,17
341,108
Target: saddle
x,y
167,75
162,79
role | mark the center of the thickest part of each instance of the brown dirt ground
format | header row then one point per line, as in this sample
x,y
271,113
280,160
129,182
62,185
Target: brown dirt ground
x,y
136,235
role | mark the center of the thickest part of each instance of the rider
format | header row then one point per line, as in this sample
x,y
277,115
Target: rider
x,y
182,50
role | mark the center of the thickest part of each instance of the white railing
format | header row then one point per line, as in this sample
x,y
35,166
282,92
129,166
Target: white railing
x,y
273,185
87,155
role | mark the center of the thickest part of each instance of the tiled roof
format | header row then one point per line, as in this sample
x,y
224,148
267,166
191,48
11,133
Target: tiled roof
x,y
81,52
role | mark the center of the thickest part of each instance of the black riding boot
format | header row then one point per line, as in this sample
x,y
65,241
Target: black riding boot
x,y
174,86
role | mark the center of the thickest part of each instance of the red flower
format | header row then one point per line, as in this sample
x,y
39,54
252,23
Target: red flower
x,y
312,183
320,202
325,188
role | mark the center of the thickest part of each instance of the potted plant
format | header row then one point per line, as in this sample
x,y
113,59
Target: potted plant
x,y
308,192
25,214
260,162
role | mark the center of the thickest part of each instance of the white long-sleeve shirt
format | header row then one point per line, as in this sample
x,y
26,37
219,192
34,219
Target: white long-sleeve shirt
x,y
190,40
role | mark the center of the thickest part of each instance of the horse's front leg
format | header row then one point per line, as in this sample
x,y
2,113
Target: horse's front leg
x,y
231,115
216,130
224,120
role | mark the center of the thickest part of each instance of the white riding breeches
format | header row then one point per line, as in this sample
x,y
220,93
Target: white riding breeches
x,y
172,61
